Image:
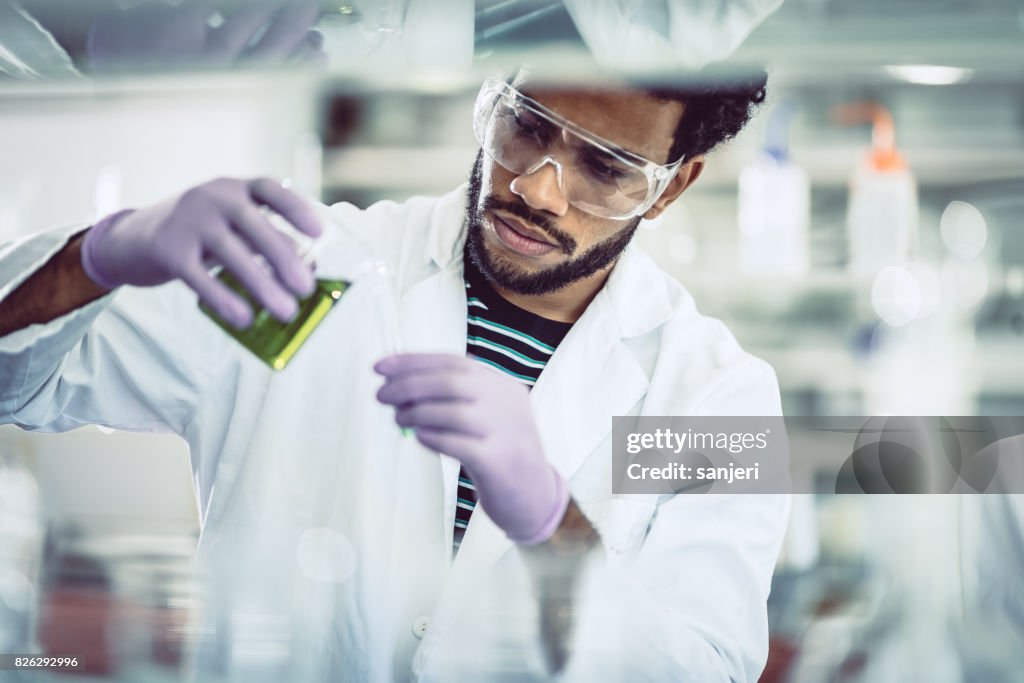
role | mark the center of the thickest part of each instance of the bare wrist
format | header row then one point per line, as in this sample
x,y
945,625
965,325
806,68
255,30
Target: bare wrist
x,y
73,254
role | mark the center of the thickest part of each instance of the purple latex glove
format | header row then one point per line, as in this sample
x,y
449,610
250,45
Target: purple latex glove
x,y
218,222
464,409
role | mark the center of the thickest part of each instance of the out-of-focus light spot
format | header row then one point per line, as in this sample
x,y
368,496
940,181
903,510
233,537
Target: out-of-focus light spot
x,y
18,499
682,248
965,283
16,591
436,81
107,194
929,74
963,229
325,555
30,187
104,430
1014,281
930,283
10,223
896,296
677,217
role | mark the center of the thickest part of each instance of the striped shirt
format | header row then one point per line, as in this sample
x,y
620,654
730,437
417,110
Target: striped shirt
x,y
506,337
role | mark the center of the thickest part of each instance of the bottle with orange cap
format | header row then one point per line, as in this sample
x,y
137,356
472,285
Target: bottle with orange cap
x,y
882,213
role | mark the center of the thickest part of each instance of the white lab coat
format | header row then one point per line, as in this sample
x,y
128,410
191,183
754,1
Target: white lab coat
x,y
683,594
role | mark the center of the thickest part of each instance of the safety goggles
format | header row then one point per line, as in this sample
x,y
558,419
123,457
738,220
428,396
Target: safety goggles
x,y
594,175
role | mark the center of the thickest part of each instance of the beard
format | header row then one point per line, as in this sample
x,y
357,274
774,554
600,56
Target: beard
x,y
511,277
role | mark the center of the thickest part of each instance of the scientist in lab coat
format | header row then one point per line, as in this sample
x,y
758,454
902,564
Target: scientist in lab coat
x,y
527,319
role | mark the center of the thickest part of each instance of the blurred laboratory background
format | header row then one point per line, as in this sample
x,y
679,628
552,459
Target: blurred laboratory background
x,y
863,235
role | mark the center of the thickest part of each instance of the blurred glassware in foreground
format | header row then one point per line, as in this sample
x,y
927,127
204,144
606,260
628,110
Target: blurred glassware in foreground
x,y
206,34
121,596
672,34
20,554
41,39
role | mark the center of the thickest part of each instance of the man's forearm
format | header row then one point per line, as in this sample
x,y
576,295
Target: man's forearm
x,y
57,288
556,565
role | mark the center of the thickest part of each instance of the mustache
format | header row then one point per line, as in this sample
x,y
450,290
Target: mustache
x,y
526,214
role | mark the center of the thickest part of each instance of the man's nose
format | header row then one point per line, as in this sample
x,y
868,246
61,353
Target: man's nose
x,y
539,188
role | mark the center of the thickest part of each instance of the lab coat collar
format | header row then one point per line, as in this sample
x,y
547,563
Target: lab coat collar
x,y
447,232
637,294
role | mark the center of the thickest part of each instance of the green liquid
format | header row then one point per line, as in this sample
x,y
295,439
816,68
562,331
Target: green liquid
x,y
272,341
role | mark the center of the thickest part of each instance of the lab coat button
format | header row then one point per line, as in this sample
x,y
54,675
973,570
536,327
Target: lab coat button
x,y
419,627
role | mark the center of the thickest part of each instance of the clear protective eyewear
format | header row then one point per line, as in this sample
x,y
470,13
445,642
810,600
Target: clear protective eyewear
x,y
594,175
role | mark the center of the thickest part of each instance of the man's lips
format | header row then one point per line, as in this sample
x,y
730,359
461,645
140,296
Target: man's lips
x,y
526,231
515,236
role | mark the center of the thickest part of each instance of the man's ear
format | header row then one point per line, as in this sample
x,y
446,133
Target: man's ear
x,y
684,177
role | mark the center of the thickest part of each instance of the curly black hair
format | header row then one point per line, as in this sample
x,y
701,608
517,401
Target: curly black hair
x,y
717,109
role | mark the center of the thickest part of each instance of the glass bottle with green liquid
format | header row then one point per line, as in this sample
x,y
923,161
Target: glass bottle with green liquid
x,y
275,342
272,341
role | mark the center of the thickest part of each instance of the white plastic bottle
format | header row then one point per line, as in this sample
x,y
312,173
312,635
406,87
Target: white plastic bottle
x,y
774,205
882,214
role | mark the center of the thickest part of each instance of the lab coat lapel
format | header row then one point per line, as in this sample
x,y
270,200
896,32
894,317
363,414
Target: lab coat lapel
x,y
434,311
591,377
434,314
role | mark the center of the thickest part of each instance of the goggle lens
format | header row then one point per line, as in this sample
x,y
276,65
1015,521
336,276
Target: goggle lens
x,y
523,138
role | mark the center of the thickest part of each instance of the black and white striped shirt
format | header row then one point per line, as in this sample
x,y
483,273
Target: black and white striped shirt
x,y
510,339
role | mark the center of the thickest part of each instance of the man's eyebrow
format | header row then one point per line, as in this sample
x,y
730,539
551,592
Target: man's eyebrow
x,y
611,150
622,152
607,144
602,155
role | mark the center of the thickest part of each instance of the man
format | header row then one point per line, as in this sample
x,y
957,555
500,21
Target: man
x,y
525,279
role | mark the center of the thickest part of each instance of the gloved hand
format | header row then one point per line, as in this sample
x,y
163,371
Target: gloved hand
x,y
464,409
218,222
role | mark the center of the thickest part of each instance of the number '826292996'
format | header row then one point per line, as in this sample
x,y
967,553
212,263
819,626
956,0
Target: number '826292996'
x,y
32,662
